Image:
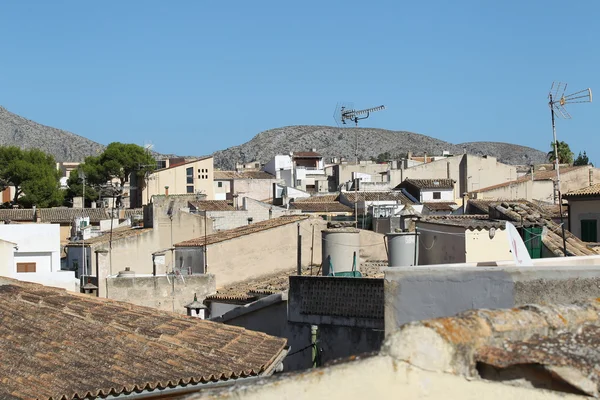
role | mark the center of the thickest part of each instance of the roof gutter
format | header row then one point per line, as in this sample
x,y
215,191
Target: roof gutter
x,y
188,389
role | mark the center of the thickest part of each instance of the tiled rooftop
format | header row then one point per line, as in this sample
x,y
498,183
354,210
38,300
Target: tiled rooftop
x,y
310,154
250,290
528,214
242,231
227,175
212,205
117,234
326,198
62,215
377,196
430,183
441,205
471,222
306,206
59,345
589,191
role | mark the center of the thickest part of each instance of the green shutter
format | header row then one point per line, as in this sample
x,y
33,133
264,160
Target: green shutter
x,y
589,230
532,237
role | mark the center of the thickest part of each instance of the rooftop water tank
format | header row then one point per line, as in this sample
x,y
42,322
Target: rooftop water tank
x,y
403,248
339,248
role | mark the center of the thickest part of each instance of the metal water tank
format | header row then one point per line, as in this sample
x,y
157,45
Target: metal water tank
x,y
338,247
403,249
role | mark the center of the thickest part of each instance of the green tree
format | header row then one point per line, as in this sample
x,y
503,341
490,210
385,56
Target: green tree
x,y
565,155
34,175
582,159
118,161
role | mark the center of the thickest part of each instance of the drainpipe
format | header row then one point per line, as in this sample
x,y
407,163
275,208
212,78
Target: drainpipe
x,y
314,329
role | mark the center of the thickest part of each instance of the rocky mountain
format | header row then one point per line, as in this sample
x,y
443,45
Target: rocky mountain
x,y
26,134
341,142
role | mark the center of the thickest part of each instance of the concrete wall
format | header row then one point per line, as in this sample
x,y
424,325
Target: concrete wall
x,y
263,252
445,195
344,172
481,248
250,208
222,191
419,293
161,292
135,251
470,172
176,179
578,178
542,190
583,209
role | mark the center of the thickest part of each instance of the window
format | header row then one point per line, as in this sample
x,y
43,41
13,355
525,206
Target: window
x,y
26,267
437,195
190,189
189,174
589,230
220,184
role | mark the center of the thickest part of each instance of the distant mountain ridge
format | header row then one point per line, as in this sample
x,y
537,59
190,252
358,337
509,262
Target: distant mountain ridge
x,y
329,141
26,134
341,142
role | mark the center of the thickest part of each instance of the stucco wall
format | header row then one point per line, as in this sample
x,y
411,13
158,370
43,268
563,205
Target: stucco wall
x,y
175,178
470,172
441,244
445,195
377,377
263,252
343,172
250,208
542,190
418,293
583,209
258,189
481,248
161,292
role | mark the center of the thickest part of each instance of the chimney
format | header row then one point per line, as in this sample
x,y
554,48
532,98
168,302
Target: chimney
x,y
425,158
166,190
591,176
409,155
448,169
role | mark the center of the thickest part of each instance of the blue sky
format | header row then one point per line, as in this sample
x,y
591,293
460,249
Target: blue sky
x,y
195,76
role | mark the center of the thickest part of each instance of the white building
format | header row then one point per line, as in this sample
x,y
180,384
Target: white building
x,y
35,255
301,170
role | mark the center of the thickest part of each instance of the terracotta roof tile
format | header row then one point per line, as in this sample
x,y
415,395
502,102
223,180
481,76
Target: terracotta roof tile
x,y
73,346
377,196
430,183
307,206
590,191
242,231
441,205
212,205
327,198
228,175
62,215
470,222
303,154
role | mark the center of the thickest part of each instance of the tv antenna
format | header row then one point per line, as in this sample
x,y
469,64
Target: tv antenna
x,y
346,112
557,101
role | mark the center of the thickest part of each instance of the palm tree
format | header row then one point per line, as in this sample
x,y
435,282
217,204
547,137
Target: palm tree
x,y
565,155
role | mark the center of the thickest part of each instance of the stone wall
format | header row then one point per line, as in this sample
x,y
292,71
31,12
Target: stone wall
x,y
161,292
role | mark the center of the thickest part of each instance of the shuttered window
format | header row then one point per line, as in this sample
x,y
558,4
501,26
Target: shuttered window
x,y
589,230
26,267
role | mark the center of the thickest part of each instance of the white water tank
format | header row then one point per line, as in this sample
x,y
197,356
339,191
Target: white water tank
x,y
403,249
339,245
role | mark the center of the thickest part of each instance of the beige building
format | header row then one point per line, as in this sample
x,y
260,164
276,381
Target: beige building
x,y
192,177
450,240
468,171
232,185
165,222
542,186
584,212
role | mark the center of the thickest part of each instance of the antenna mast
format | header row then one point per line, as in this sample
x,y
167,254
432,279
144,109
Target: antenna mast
x,y
557,102
346,112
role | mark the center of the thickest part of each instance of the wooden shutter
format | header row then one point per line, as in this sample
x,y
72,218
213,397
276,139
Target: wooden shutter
x,y
26,267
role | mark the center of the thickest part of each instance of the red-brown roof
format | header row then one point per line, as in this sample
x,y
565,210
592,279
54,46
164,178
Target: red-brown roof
x,y
429,183
230,175
242,231
57,345
306,154
212,205
589,191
